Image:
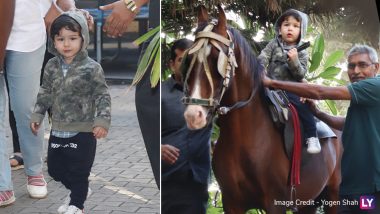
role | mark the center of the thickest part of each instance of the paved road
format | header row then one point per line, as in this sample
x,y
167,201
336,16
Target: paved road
x,y
121,178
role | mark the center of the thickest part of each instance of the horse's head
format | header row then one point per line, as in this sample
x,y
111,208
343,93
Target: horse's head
x,y
208,67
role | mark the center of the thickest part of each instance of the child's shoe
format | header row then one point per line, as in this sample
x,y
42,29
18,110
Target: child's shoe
x,y
73,210
313,145
7,198
63,208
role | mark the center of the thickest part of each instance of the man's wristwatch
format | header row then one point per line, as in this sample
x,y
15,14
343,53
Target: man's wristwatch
x,y
131,5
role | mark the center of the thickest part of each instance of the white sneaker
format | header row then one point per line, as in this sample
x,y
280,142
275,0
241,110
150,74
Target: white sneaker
x,y
313,145
63,208
37,187
73,210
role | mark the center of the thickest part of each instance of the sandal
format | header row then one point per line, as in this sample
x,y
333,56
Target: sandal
x,y
19,160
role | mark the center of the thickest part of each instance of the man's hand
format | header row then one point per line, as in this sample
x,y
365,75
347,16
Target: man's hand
x,y
169,153
118,21
53,12
34,126
99,132
292,54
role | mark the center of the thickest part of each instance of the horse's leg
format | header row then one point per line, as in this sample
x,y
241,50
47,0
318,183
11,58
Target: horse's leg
x,y
307,210
273,209
333,191
332,188
231,206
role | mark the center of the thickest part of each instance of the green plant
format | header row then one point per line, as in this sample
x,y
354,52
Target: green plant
x,y
328,71
152,52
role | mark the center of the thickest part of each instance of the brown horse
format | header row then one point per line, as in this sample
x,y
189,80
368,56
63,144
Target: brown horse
x,y
249,161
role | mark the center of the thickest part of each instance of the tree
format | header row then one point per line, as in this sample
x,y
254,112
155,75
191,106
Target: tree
x,y
358,20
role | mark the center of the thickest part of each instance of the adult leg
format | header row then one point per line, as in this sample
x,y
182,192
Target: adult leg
x,y
6,17
15,160
24,80
180,197
5,169
147,102
12,124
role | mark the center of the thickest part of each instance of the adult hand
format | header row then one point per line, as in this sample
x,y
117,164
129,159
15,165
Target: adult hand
x,y
169,153
99,132
292,54
119,19
267,82
53,12
34,126
303,99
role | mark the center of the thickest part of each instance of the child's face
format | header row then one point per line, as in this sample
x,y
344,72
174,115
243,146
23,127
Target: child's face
x,y
68,44
290,30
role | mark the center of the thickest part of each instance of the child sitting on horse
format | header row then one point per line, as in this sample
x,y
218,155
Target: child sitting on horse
x,y
284,62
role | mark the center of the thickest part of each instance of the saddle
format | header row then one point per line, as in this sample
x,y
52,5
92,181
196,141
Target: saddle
x,y
278,106
282,117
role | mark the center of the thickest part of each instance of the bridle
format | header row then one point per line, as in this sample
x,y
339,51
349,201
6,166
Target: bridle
x,y
226,68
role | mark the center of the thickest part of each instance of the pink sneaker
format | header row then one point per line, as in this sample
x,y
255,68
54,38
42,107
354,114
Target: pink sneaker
x,y
7,198
37,187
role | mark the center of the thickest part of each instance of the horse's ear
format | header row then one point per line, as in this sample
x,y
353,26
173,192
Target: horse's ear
x,y
202,14
221,27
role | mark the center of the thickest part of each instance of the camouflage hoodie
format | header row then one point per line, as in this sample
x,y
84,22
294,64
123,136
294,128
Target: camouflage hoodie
x,y
274,55
80,100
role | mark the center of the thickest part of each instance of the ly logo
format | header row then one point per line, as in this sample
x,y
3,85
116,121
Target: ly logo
x,y
367,202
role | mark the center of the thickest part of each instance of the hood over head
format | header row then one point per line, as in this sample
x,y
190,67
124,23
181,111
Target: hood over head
x,y
78,16
292,12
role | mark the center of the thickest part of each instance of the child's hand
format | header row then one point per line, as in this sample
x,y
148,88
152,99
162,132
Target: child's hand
x,y
312,105
35,126
292,54
99,132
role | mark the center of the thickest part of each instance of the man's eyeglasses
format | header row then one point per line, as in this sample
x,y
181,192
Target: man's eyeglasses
x,y
361,65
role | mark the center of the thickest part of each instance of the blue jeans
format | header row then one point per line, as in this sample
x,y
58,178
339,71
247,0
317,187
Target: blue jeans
x,y
23,71
5,169
305,115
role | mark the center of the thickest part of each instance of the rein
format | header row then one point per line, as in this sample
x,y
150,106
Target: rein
x,y
226,68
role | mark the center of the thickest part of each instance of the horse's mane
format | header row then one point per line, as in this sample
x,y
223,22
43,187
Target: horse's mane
x,y
248,58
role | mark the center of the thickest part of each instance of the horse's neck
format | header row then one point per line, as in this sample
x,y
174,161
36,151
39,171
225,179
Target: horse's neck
x,y
253,116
